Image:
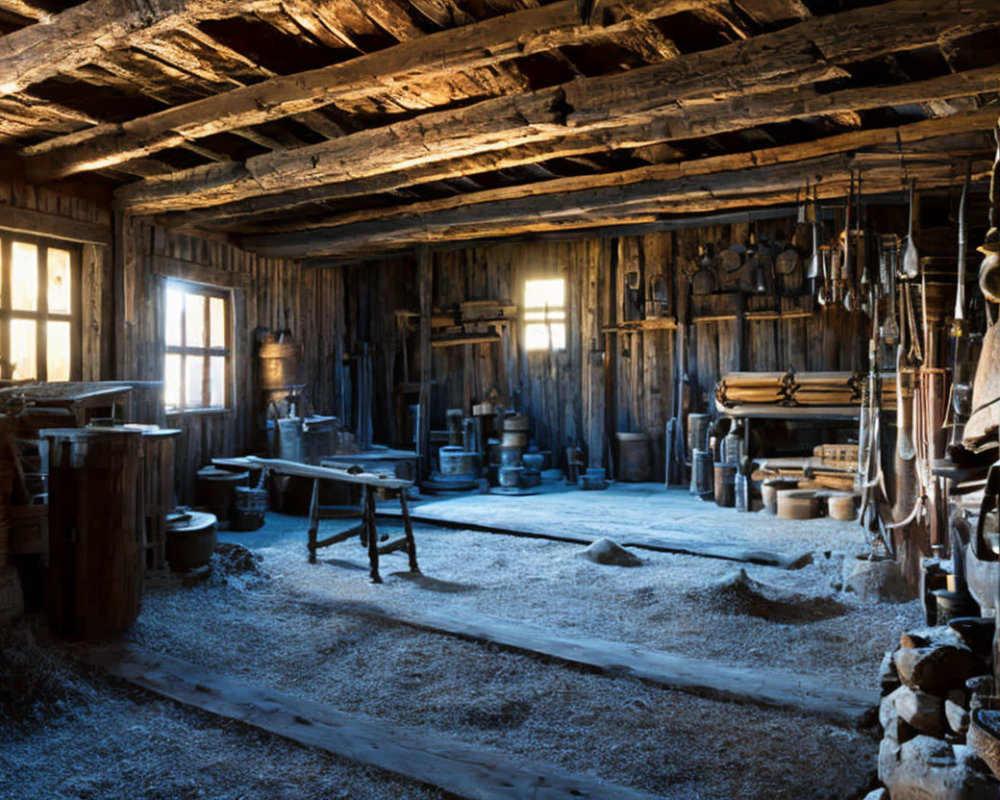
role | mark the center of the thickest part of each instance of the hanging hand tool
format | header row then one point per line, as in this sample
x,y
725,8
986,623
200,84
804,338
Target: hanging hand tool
x,y
961,391
911,259
813,266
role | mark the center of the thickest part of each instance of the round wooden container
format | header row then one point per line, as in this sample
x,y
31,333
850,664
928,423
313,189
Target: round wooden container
x,y
509,477
633,457
510,456
516,423
249,509
724,480
455,460
191,542
94,583
798,504
701,465
769,491
514,439
215,488
841,505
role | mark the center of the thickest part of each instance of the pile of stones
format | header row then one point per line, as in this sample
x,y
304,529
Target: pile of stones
x,y
929,685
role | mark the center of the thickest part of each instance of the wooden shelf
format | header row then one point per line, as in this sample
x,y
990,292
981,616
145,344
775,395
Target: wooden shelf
x,y
451,341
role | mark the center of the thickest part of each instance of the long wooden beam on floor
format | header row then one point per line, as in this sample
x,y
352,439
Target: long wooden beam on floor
x,y
654,542
461,769
764,686
808,53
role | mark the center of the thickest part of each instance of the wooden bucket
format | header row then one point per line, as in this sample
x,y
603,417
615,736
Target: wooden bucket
x,y
94,581
215,489
191,542
798,504
703,474
724,479
841,506
769,491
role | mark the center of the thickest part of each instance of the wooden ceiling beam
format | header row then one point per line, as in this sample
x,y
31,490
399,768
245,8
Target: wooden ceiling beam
x,y
482,44
686,122
803,54
749,188
84,33
907,136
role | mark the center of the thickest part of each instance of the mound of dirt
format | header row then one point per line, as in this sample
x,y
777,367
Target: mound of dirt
x,y
737,593
33,685
234,559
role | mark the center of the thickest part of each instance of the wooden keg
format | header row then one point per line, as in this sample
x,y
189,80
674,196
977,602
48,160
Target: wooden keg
x,y
514,439
94,582
516,423
798,504
633,456
703,473
841,506
191,541
215,488
724,481
769,491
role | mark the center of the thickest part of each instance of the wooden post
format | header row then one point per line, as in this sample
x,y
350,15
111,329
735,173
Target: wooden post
x,y
313,520
411,544
369,527
425,278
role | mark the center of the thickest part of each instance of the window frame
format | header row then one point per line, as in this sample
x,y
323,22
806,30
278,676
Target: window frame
x,y
547,320
207,291
41,315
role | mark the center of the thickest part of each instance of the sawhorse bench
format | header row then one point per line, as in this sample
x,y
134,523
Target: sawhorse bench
x,y
369,483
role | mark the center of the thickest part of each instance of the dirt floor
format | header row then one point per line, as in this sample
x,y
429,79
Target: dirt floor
x,y
292,626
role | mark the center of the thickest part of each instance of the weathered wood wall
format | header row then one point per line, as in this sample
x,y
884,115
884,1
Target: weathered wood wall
x,y
265,293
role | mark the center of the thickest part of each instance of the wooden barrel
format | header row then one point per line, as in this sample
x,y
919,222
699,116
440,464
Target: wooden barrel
x,y
454,460
516,423
514,439
703,473
511,456
214,490
158,448
249,509
840,505
633,457
509,477
724,480
798,504
94,582
191,541
769,491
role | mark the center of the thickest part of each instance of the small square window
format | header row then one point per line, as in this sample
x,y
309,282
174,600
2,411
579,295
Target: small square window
x,y
545,314
196,333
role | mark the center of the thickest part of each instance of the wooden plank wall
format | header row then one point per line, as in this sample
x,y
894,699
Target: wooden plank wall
x,y
266,293
77,204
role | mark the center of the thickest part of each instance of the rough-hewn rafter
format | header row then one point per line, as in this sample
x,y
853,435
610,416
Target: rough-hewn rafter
x,y
81,34
902,136
481,44
744,179
667,94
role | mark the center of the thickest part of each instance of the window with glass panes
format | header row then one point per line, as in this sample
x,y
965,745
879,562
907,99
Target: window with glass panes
x,y
545,314
38,304
196,333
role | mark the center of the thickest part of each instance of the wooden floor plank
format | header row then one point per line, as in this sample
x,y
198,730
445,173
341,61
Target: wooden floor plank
x,y
462,769
654,542
760,686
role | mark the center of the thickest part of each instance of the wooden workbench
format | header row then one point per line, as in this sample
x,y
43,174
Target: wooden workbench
x,y
367,480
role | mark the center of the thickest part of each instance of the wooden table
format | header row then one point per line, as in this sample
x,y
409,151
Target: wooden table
x,y
367,480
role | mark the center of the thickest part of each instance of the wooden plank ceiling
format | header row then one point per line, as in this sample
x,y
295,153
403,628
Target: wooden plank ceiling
x,y
324,129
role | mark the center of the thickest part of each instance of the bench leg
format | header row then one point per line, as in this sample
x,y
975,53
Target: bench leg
x,y
369,526
411,544
313,520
